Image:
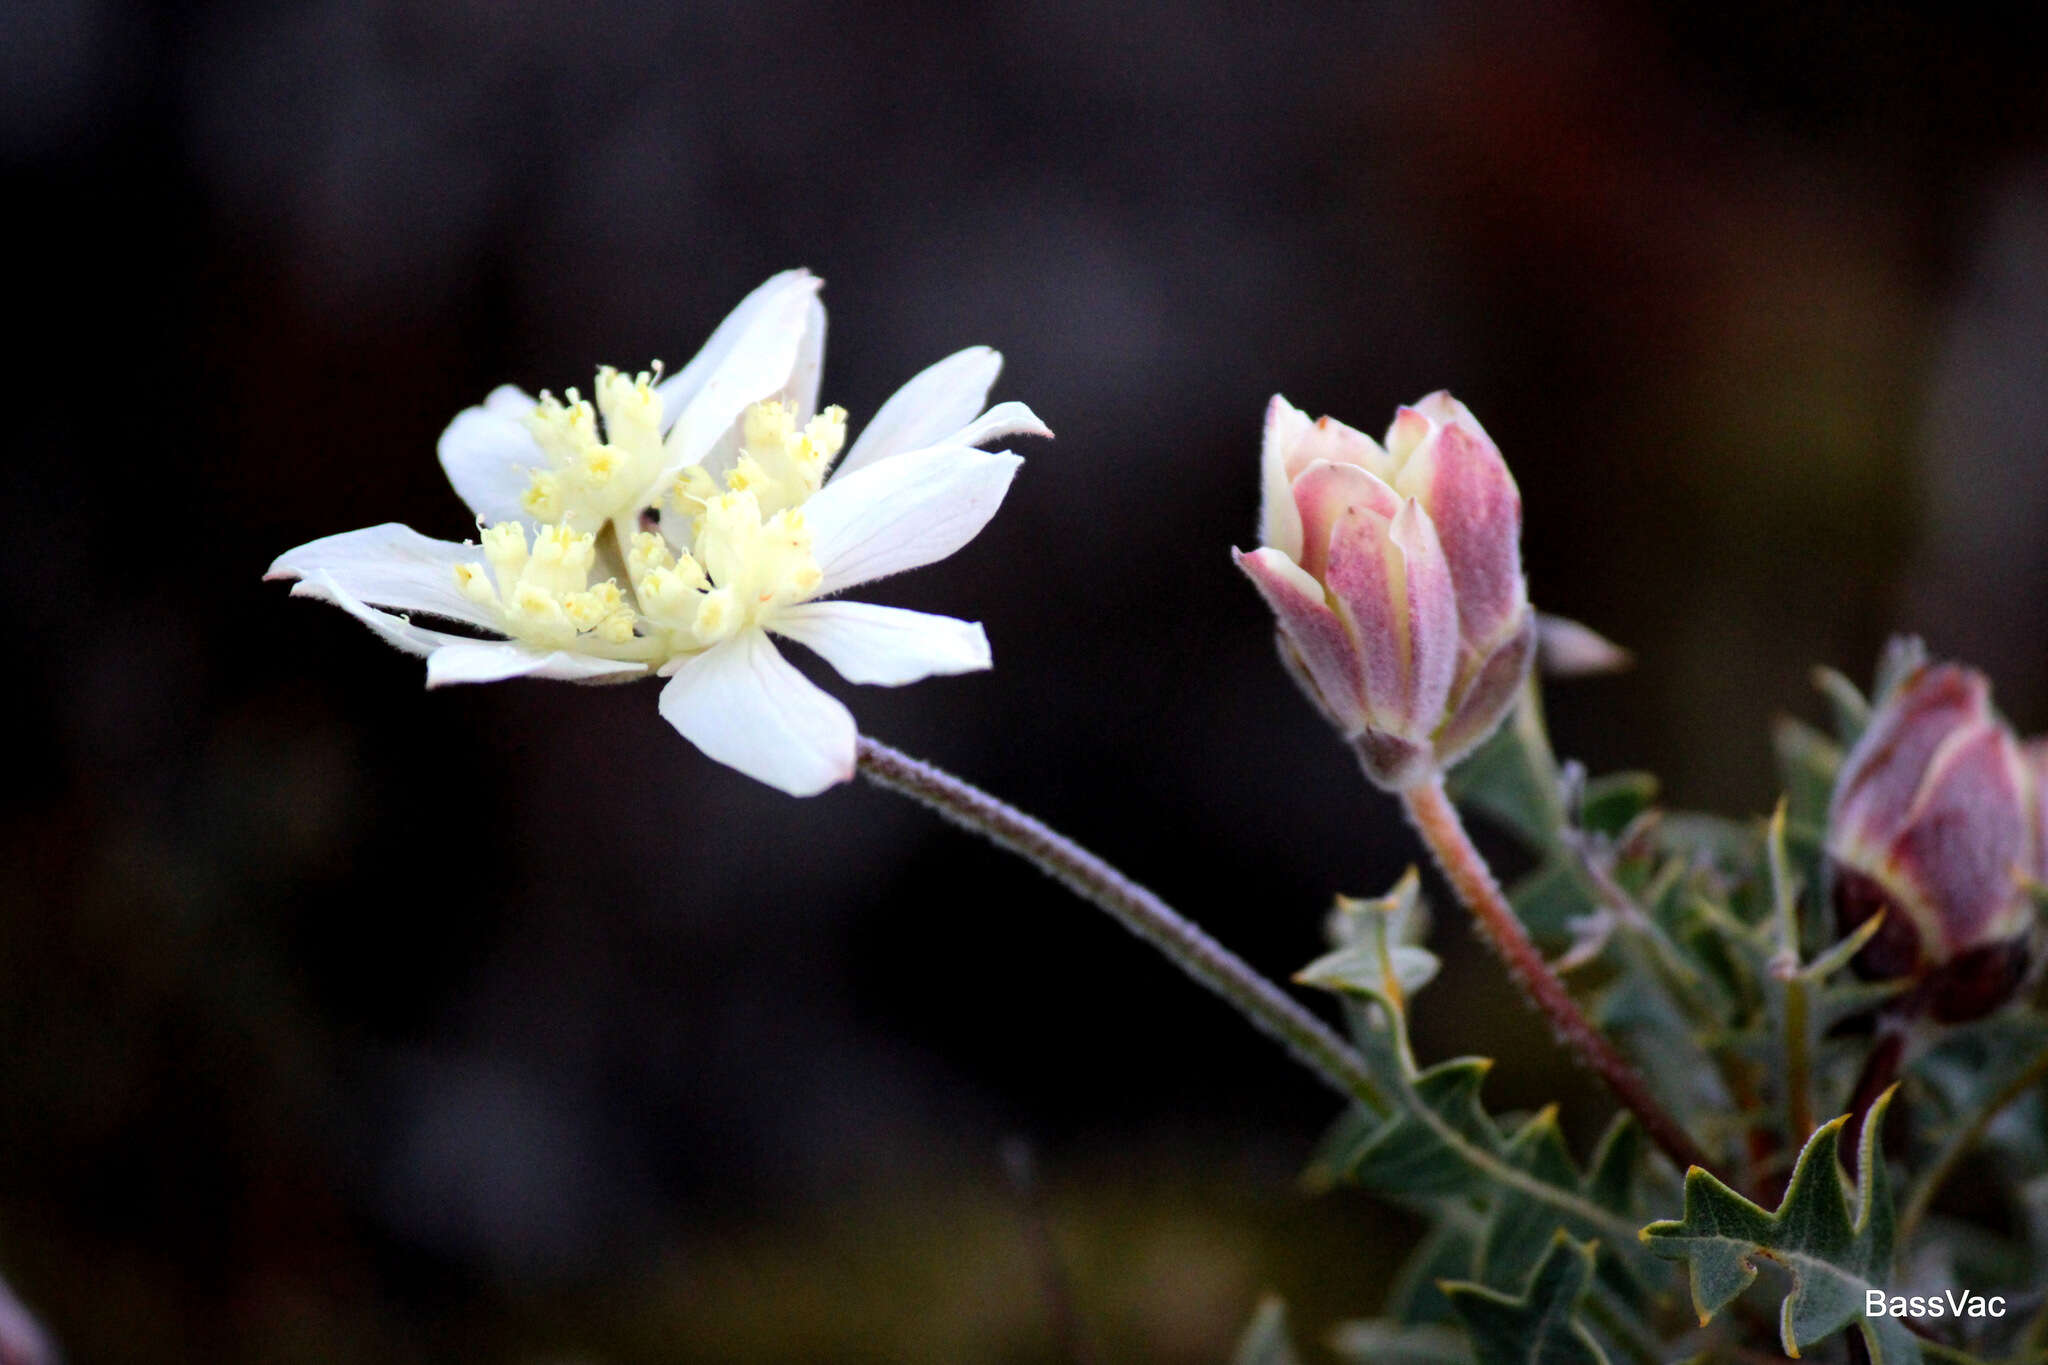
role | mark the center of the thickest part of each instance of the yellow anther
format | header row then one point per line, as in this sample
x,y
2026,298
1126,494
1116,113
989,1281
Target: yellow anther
x,y
583,610
474,582
543,497
717,616
505,549
537,609
551,546
827,431
564,431
649,550
767,426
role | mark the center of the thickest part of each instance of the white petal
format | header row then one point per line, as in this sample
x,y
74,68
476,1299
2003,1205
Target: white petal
x,y
885,645
905,512
743,704
801,393
753,355
475,661
490,456
394,630
1279,518
1004,419
509,400
938,401
393,566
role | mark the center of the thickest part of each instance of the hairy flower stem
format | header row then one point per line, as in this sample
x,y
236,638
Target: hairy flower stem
x,y
1274,1013
1436,820
1268,1008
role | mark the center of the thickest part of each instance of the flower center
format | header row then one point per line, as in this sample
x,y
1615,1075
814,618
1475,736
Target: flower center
x,y
544,593
730,552
749,552
591,477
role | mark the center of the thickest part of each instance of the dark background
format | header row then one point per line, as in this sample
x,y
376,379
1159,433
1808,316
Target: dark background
x,y
341,1021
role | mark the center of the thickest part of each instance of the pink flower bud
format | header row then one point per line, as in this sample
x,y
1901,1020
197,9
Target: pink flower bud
x,y
2037,765
1395,575
1936,819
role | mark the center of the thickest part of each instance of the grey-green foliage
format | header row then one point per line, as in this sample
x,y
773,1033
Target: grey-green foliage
x,y
1540,1325
1834,1243
1501,1197
1705,947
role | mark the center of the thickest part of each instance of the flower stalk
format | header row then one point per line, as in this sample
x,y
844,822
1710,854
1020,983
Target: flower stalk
x,y
1785,966
1436,820
1271,1010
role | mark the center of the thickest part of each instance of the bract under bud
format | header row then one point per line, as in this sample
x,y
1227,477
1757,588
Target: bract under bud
x,y
1395,575
1936,819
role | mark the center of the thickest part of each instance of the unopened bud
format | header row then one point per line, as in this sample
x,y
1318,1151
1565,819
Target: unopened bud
x,y
1395,575
1936,820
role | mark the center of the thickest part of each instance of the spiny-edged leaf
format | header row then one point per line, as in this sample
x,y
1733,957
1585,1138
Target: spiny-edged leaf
x,y
1846,703
1611,801
1378,952
1519,1229
1710,936
1833,1256
1540,1326
1431,1137
1729,845
1444,1254
1611,1178
1807,763
1519,1232
1403,1154
1330,1164
1382,1341
1837,957
1265,1341
1840,1000
1550,899
1406,1157
1512,777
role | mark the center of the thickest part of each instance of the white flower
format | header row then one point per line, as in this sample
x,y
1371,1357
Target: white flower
x,y
541,461
733,531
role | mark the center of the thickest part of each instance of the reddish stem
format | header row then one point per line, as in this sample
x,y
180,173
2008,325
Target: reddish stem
x,y
1437,821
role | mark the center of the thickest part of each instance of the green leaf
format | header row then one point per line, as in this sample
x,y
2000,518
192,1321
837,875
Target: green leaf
x,y
1549,899
1512,777
1409,1156
1833,1257
1444,1254
1540,1326
1850,708
1265,1341
1433,1138
1807,763
1612,801
1519,1232
1378,954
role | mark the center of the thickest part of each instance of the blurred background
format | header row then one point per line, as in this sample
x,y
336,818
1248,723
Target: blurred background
x,y
344,1022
